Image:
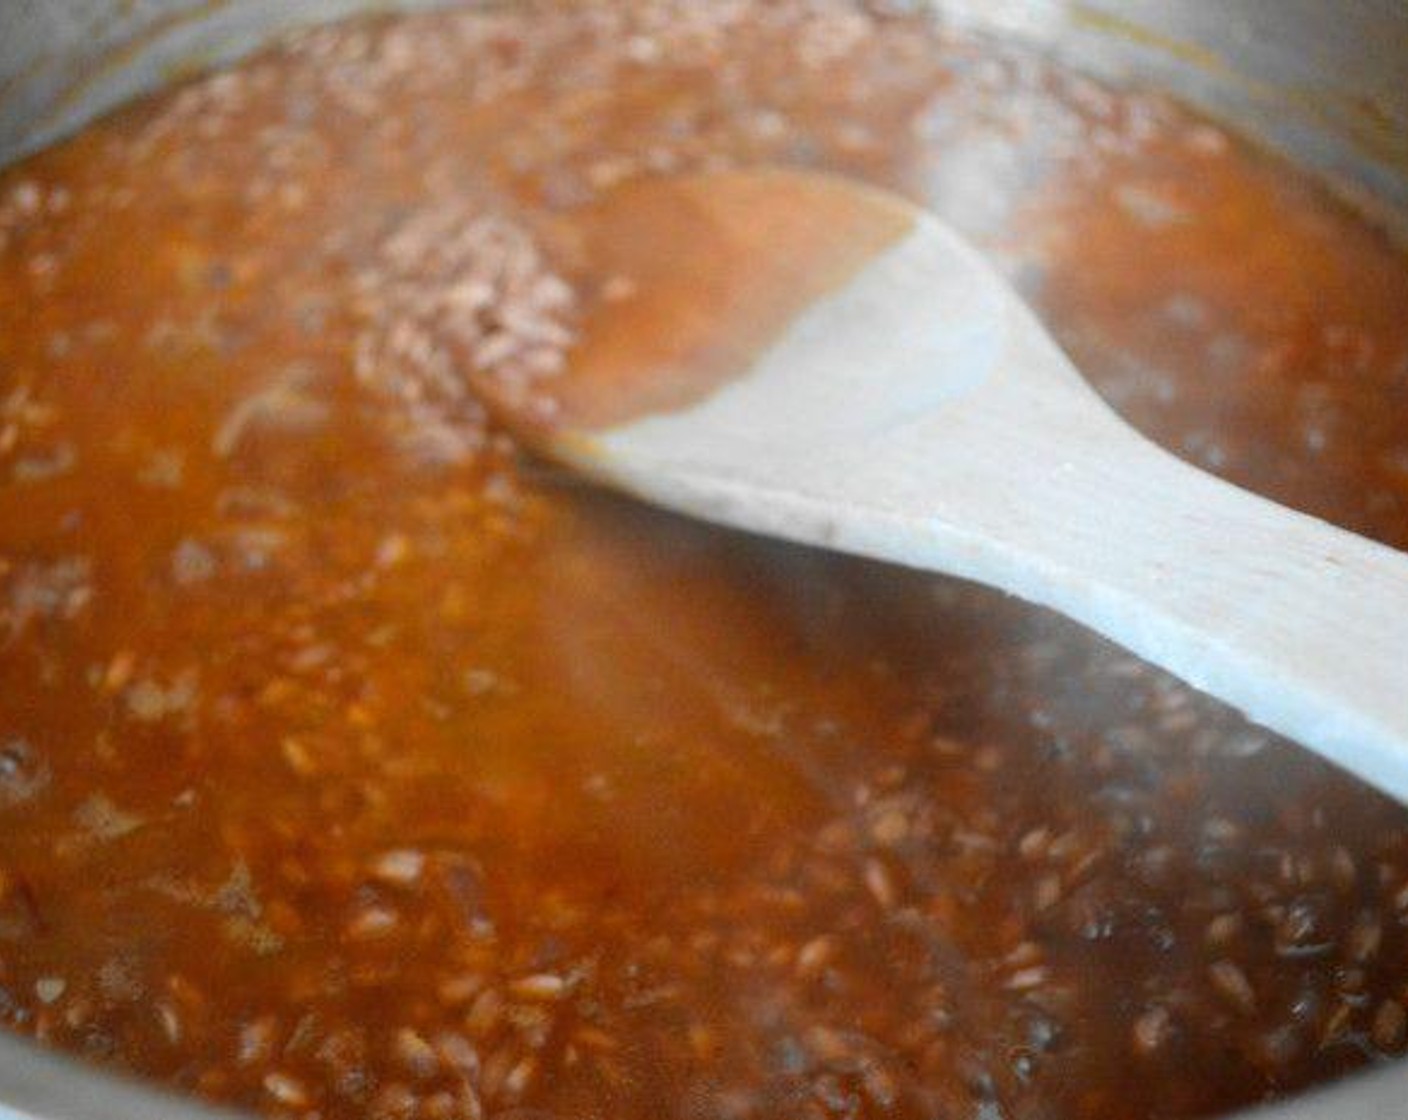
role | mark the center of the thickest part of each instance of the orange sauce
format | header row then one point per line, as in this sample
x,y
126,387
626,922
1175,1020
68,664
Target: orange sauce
x,y
354,764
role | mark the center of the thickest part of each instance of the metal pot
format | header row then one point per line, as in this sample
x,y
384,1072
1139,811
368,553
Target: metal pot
x,y
1325,83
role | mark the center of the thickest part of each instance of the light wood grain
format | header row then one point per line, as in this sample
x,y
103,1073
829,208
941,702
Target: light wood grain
x,y
918,413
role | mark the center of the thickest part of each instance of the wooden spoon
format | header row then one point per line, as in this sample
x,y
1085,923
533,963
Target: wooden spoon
x,y
807,358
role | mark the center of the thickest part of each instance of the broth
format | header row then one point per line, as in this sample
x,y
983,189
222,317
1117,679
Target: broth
x,y
355,764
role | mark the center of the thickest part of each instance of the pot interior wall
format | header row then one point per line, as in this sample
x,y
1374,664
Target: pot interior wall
x,y
1327,84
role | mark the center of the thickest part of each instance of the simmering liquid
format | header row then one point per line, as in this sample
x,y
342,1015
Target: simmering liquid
x,y
355,765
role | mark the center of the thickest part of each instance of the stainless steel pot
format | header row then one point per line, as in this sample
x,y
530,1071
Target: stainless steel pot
x,y
1324,81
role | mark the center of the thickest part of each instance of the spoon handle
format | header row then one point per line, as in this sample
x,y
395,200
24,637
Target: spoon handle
x,y
1301,625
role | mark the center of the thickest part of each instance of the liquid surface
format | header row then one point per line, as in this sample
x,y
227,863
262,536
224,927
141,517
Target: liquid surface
x,y
354,765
